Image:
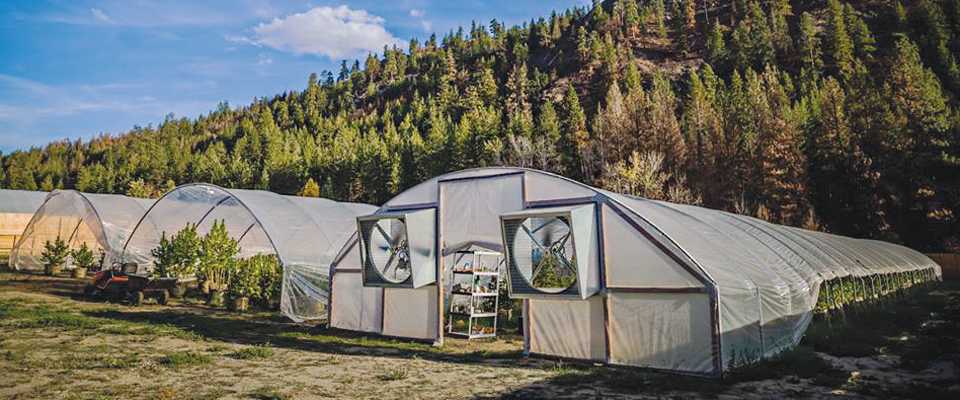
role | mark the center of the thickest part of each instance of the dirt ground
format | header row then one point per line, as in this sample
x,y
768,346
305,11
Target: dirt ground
x,y
56,345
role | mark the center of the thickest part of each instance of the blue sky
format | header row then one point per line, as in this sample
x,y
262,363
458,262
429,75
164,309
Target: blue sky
x,y
74,69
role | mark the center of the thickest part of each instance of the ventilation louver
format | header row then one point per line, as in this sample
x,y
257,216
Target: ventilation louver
x,y
397,249
545,249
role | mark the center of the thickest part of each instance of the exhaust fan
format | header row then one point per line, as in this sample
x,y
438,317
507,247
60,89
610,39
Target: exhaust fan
x,y
397,250
552,252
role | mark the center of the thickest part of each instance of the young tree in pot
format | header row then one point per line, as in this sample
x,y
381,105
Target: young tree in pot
x,y
83,259
245,283
271,280
216,257
178,257
54,255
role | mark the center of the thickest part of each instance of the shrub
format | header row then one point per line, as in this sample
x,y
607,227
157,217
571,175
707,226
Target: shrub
x,y
178,256
216,255
55,253
83,258
246,278
271,276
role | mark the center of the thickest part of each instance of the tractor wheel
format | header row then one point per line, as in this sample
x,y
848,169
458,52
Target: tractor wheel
x,y
138,298
88,290
164,296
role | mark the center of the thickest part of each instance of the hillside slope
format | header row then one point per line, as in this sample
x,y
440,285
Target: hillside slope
x,y
829,115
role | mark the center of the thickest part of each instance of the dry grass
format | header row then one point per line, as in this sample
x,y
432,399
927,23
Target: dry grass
x,y
54,345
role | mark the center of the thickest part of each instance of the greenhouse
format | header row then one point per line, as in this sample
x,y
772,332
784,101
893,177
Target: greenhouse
x,y
303,232
101,221
16,209
605,277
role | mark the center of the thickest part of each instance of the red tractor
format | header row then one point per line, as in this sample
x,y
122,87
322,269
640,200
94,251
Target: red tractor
x,y
122,284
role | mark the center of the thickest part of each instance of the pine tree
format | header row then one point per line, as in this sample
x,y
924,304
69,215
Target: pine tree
x,y
781,163
310,189
716,46
665,136
660,17
575,137
863,42
779,30
702,126
808,44
761,38
631,17
839,47
740,46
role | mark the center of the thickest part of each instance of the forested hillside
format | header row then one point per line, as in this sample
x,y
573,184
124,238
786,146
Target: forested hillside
x,y
828,115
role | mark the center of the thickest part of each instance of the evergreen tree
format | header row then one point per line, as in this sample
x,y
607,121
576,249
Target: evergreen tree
x,y
702,126
575,137
839,47
808,44
863,42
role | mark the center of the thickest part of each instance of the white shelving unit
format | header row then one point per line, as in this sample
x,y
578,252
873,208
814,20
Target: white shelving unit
x,y
474,297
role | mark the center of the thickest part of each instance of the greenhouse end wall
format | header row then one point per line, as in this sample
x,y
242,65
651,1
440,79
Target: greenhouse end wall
x,y
682,288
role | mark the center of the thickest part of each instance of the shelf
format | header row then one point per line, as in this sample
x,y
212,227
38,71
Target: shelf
x,y
474,315
484,315
480,300
476,336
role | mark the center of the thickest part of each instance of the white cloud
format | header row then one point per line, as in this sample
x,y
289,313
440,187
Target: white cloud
x,y
332,32
420,14
98,14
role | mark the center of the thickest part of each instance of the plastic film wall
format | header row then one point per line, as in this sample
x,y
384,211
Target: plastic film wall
x,y
101,221
682,288
304,233
16,209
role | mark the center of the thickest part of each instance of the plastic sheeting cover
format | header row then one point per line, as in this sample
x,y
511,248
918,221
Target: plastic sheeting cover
x,y
101,221
304,233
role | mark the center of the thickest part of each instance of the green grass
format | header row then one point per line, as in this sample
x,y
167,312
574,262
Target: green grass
x,y
252,352
177,360
98,361
396,374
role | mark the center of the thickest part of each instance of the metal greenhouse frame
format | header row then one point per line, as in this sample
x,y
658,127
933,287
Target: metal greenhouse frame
x,y
102,221
678,288
303,232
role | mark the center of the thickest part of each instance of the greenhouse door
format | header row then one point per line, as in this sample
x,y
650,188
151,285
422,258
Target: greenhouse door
x,y
469,218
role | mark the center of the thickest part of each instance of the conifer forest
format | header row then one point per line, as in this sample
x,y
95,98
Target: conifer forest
x,y
829,115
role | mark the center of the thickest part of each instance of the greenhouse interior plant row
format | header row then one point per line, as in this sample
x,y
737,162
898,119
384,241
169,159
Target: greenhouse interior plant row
x,y
601,276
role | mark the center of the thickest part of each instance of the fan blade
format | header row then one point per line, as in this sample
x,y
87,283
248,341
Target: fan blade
x,y
384,234
386,266
564,260
532,238
563,241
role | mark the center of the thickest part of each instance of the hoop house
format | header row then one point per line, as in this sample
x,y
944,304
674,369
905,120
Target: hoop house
x,y
304,233
17,207
101,221
610,278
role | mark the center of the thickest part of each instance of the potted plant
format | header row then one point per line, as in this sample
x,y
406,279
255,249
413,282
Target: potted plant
x,y
271,280
215,256
54,255
178,257
245,282
83,259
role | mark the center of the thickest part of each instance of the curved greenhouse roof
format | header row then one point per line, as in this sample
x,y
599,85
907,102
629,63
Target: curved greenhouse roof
x,y
656,284
101,221
16,209
305,234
